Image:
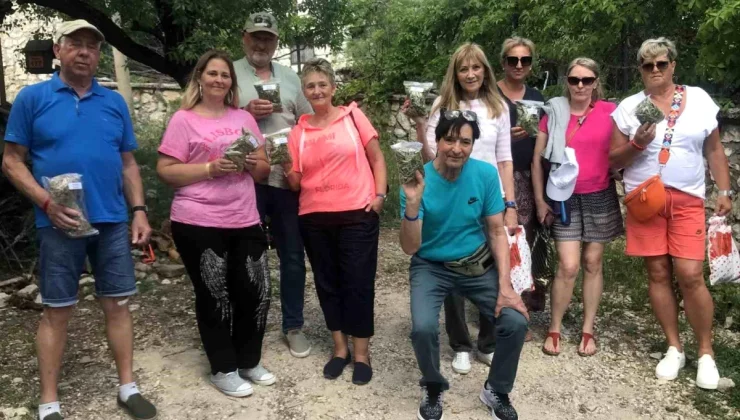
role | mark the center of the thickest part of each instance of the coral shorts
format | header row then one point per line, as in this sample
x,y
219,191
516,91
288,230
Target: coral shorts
x,y
679,230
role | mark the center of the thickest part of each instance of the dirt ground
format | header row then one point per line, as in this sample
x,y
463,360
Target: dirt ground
x,y
171,368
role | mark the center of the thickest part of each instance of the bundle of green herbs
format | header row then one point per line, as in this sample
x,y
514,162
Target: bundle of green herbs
x,y
647,112
66,190
270,91
238,151
408,160
276,145
528,115
417,93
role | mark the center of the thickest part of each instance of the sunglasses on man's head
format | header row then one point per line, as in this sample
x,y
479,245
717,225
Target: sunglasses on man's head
x,y
587,81
512,61
468,115
661,65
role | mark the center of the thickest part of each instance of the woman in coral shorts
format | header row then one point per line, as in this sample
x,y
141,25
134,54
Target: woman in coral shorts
x,y
673,241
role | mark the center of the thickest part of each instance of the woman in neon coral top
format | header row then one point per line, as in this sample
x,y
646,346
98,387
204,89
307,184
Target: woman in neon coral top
x,y
216,226
672,242
574,137
340,171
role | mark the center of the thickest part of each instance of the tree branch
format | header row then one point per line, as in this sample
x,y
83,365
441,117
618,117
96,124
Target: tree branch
x,y
115,36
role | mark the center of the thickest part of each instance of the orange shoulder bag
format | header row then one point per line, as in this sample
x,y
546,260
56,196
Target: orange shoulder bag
x,y
648,199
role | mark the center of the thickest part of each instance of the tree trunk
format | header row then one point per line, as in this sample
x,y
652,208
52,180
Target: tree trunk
x,y
123,76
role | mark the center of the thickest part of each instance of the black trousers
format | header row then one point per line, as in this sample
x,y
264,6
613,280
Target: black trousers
x,y
343,250
228,268
457,328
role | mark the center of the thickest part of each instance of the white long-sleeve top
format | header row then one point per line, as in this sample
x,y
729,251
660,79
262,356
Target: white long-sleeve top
x,y
494,144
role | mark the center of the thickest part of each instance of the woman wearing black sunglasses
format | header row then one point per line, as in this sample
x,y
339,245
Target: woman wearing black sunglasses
x,y
673,241
582,193
516,59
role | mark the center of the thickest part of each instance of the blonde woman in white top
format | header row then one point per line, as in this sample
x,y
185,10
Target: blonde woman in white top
x,y
470,84
672,242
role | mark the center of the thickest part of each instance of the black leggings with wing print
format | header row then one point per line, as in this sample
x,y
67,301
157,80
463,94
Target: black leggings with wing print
x,y
228,268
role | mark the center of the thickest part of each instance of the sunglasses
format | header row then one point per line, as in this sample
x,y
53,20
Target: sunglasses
x,y
587,81
661,65
512,61
468,115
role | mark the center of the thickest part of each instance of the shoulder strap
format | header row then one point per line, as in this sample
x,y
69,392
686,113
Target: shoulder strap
x,y
355,140
665,151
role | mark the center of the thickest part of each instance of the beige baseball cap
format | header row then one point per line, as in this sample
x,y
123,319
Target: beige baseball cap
x,y
66,28
261,22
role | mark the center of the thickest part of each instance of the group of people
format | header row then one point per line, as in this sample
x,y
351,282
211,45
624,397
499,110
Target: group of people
x,y
485,176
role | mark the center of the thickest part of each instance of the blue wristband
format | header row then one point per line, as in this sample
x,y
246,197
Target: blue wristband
x,y
410,219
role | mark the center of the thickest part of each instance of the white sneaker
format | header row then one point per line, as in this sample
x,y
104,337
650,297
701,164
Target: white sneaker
x,y
671,363
258,375
707,376
486,358
461,362
231,384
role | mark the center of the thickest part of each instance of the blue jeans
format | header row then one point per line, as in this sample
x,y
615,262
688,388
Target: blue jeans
x,y
62,260
281,206
431,283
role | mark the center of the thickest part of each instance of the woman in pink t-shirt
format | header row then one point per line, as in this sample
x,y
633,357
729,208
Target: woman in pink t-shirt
x,y
581,193
340,171
215,223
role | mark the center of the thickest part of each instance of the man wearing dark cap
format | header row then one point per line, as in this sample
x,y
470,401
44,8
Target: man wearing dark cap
x,y
275,200
70,124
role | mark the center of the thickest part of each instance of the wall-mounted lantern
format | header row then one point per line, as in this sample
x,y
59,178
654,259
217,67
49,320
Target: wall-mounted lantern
x,y
39,56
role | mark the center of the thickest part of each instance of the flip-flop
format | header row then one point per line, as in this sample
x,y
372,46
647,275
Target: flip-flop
x,y
555,340
586,337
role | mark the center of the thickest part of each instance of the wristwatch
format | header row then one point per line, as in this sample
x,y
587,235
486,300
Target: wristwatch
x,y
727,193
383,196
134,209
510,204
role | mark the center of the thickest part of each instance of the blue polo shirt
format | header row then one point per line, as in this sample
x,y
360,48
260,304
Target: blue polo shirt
x,y
453,211
68,134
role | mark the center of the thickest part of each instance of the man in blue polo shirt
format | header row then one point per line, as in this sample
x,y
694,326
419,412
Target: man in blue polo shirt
x,y
70,124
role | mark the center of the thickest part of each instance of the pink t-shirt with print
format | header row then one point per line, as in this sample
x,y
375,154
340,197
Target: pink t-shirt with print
x,y
336,175
591,144
225,202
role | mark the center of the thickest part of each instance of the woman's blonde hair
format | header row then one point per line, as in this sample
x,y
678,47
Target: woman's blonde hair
x,y
656,47
451,93
598,92
515,41
318,65
192,95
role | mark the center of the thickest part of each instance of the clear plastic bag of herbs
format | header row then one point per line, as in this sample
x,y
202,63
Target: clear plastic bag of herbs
x,y
647,112
66,190
528,115
276,146
417,93
408,160
270,91
238,151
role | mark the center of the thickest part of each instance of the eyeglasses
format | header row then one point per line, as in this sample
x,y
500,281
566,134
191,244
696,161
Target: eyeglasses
x,y
468,115
587,81
661,65
512,61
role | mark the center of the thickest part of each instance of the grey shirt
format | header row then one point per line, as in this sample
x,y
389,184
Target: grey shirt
x,y
291,96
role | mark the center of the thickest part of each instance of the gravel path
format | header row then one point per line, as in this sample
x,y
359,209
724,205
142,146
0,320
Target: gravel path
x,y
617,383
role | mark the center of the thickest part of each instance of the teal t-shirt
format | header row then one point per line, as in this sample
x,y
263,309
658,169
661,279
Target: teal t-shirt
x,y
453,212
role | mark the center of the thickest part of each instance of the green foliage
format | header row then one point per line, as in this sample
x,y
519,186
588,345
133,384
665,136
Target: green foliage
x,y
182,30
413,39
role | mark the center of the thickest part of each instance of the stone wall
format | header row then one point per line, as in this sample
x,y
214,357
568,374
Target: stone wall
x,y
13,41
152,101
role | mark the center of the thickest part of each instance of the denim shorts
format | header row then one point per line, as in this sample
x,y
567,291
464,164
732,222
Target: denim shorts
x,y
62,261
